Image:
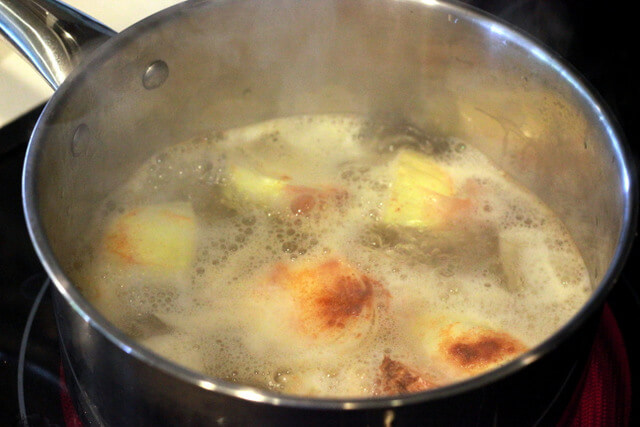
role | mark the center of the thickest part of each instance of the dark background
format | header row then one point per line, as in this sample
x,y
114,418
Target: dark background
x,y
598,38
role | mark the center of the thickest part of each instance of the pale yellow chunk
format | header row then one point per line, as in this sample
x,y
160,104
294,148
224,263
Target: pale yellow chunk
x,y
417,189
159,238
246,185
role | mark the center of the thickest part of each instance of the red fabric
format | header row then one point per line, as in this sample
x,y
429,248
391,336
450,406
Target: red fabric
x,y
604,397
69,413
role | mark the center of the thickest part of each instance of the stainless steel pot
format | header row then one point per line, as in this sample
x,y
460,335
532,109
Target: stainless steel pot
x,y
207,65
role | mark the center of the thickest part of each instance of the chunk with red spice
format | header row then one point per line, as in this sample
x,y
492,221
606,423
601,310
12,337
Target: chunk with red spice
x,y
465,346
246,185
333,300
422,193
159,238
397,378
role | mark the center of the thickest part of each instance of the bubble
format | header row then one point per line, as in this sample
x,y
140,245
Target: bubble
x,y
289,246
459,148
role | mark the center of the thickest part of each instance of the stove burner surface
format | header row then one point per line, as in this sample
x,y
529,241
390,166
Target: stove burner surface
x,y
603,397
71,417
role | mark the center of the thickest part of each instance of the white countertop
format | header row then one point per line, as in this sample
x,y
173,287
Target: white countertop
x,y
22,88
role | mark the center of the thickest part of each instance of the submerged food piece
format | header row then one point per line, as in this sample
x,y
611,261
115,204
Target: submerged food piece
x,y
527,263
472,245
160,238
308,319
248,186
332,298
144,260
422,193
396,378
468,347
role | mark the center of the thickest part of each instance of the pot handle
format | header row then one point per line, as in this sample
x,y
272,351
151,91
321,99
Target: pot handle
x,y
51,35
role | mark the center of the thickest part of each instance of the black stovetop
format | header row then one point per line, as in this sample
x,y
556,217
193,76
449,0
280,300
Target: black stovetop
x,y
598,39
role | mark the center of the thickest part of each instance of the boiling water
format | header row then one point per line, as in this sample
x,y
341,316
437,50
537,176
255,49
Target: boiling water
x,y
505,264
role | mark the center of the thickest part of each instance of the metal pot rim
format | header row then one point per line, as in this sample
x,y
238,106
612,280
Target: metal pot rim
x,y
83,308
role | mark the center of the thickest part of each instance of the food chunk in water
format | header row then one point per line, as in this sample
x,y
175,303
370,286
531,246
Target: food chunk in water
x,y
527,262
396,378
333,300
422,193
465,346
144,258
160,238
247,186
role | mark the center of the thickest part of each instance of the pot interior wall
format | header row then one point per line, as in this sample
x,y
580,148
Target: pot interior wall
x,y
233,63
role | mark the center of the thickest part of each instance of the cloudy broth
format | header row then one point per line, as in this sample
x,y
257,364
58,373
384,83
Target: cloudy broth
x,y
331,256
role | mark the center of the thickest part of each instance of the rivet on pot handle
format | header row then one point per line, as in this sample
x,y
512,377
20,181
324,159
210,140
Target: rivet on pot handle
x,y
51,35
